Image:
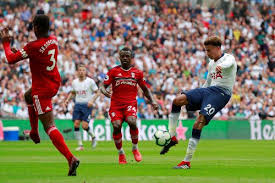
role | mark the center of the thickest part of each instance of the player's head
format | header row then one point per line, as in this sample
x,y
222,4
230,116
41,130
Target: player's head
x,y
41,25
81,70
125,56
213,47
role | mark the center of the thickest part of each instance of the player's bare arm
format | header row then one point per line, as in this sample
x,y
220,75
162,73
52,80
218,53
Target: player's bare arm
x,y
70,96
12,54
105,92
5,37
92,101
149,96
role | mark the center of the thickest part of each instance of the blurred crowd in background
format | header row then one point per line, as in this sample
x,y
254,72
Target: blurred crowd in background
x,y
167,38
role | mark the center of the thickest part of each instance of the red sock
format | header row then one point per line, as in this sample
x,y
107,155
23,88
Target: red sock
x,y
134,135
118,140
33,118
59,143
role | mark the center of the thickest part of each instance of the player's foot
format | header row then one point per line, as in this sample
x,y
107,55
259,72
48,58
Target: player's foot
x,y
94,142
166,148
74,163
80,148
183,165
122,159
137,155
35,137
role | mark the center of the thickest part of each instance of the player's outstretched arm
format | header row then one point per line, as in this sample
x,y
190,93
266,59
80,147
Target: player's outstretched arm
x,y
12,55
92,101
208,81
103,90
149,96
70,96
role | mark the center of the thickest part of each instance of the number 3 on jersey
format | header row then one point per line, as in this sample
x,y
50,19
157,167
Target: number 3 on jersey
x,y
52,59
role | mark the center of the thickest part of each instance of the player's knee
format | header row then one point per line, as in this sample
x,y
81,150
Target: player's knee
x,y
133,125
131,122
28,97
180,100
200,122
85,125
117,126
76,123
47,126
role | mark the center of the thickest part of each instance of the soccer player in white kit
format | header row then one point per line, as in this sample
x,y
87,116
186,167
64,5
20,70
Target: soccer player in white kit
x,y
85,91
209,99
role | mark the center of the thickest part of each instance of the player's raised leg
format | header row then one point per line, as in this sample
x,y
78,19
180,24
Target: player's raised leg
x,y
117,136
211,101
85,126
131,120
77,135
58,141
33,117
193,142
43,107
173,121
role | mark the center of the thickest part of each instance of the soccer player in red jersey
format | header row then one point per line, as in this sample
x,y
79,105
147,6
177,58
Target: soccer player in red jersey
x,y
124,79
45,83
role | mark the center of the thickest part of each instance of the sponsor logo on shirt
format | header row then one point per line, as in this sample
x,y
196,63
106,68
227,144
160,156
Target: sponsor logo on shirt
x,y
82,92
216,75
125,82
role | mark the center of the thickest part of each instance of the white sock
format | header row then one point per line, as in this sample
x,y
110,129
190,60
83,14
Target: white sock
x,y
173,123
121,151
90,132
192,145
77,135
135,146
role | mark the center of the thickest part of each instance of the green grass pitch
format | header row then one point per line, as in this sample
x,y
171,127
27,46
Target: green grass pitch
x,y
221,161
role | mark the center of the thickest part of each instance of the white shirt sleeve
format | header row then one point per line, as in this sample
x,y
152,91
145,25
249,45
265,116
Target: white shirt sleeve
x,y
228,63
208,81
73,86
93,85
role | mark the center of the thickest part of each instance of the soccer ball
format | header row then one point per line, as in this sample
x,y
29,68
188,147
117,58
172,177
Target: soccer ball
x,y
162,137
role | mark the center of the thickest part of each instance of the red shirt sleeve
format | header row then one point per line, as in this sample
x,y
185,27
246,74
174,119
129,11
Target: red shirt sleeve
x,y
141,81
14,57
108,78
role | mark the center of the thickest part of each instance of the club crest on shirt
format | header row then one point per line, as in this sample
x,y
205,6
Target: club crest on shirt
x,y
133,75
106,78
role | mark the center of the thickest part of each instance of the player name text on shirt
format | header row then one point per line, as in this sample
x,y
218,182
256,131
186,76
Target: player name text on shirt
x,y
48,43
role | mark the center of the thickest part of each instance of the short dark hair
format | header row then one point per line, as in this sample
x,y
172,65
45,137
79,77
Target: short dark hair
x,y
42,22
128,49
80,65
214,41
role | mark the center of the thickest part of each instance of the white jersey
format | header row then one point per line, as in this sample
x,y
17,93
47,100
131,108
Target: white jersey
x,y
84,89
226,78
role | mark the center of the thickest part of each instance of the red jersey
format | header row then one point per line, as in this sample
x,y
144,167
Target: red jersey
x,y
43,64
124,84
